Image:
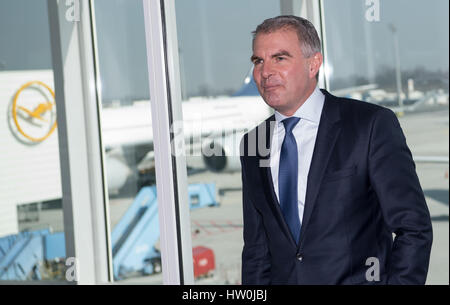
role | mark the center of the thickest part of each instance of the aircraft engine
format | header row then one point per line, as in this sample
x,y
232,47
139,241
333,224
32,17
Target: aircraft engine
x,y
221,154
118,173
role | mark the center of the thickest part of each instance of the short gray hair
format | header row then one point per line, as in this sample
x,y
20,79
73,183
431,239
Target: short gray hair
x,y
306,33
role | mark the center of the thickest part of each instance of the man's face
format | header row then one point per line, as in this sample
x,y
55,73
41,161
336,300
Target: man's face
x,y
284,77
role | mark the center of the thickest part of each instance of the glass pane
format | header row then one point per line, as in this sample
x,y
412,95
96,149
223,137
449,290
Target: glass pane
x,y
128,142
396,54
220,103
32,243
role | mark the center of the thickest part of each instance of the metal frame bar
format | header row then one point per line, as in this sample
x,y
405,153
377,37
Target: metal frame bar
x,y
179,159
96,153
79,143
324,81
176,252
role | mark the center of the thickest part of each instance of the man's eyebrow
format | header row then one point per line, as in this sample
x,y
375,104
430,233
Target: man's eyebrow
x,y
279,53
282,53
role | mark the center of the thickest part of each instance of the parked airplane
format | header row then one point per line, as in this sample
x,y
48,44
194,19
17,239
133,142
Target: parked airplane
x,y
208,124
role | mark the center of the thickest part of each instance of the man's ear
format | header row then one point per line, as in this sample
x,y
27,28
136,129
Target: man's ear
x,y
315,62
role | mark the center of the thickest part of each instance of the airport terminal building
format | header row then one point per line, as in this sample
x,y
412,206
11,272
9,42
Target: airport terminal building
x,y
119,147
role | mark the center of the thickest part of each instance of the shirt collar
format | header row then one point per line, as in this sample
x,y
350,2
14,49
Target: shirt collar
x,y
311,109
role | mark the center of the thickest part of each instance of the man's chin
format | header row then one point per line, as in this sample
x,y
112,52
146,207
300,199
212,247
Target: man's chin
x,y
272,98
274,103
280,107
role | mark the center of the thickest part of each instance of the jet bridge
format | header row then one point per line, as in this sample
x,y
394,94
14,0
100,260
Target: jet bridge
x,y
20,254
136,234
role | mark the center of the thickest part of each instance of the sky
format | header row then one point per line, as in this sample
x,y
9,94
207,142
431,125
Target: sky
x,y
214,39
422,28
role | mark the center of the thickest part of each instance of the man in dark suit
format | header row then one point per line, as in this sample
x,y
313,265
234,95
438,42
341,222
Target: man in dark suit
x,y
327,181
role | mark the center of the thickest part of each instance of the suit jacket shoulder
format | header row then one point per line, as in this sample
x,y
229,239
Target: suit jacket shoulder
x,y
355,113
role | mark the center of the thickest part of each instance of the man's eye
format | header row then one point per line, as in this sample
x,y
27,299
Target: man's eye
x,y
257,61
280,58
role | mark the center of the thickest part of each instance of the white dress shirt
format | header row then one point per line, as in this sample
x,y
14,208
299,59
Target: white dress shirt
x,y
305,133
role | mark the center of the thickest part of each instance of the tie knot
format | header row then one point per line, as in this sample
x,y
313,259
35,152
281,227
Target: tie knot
x,y
290,123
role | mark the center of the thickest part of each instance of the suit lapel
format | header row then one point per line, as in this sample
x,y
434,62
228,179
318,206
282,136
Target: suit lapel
x,y
266,175
329,130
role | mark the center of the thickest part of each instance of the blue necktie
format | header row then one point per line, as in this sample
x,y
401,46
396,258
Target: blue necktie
x,y
288,178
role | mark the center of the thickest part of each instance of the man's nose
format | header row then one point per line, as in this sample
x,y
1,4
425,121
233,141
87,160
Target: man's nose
x,y
267,70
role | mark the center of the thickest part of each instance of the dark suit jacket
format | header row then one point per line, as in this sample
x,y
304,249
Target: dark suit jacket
x,y
362,187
